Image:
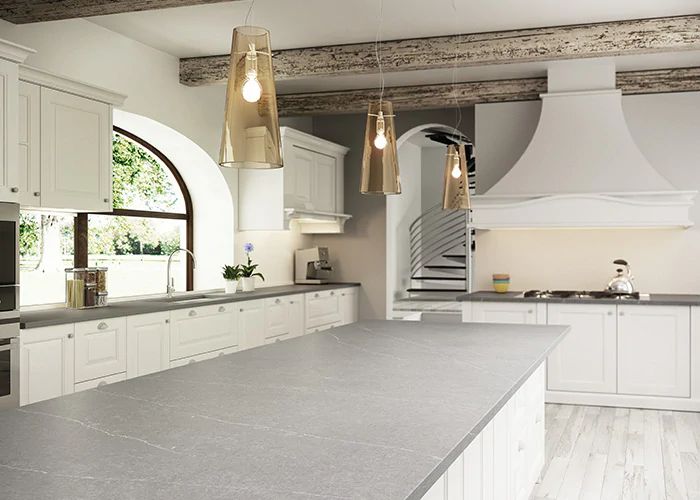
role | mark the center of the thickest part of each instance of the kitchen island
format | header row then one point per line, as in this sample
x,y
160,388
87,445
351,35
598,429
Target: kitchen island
x,y
375,409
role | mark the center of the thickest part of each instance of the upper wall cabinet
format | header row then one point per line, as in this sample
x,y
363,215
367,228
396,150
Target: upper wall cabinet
x,y
65,143
11,55
308,191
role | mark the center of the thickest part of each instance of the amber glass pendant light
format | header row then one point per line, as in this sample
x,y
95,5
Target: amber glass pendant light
x,y
380,166
456,181
251,136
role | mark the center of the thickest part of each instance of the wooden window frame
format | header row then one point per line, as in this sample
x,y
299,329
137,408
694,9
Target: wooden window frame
x,y
80,258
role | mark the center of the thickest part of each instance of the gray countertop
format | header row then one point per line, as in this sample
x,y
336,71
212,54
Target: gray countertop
x,y
372,410
59,316
659,299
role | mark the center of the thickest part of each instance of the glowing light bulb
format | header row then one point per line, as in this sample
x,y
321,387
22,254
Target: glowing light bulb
x,y
380,138
456,171
251,90
380,141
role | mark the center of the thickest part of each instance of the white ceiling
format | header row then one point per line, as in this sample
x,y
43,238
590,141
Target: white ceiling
x,y
206,29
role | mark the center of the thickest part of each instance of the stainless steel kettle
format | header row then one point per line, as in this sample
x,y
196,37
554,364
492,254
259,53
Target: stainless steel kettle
x,y
622,283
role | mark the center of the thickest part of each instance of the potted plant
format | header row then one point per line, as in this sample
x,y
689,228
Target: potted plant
x,y
248,273
232,275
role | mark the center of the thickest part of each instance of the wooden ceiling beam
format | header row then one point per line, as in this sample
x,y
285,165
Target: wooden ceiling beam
x,y
470,93
617,38
37,11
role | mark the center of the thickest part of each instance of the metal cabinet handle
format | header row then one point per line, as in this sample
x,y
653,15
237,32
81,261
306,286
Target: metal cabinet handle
x,y
610,313
14,190
191,361
102,326
277,340
291,302
192,313
222,309
529,311
37,193
332,293
106,200
277,301
70,335
241,310
622,313
316,295
167,321
102,382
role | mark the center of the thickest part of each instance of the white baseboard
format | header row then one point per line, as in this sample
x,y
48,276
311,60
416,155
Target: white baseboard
x,y
622,401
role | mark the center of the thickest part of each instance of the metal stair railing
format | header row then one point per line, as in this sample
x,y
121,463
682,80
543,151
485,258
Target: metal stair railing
x,y
433,233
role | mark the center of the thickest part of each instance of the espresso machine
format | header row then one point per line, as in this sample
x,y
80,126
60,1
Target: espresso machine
x,y
312,266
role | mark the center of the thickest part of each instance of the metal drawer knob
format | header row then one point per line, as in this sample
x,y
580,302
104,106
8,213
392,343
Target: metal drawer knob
x,y
70,335
102,382
102,326
622,313
222,309
106,200
278,301
192,313
291,302
37,193
610,313
316,295
529,311
241,310
14,190
332,293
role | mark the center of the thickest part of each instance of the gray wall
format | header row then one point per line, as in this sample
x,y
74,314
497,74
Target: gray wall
x,y
360,253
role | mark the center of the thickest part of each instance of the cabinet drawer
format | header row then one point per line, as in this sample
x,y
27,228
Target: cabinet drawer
x,y
202,357
201,329
100,348
99,382
322,309
284,316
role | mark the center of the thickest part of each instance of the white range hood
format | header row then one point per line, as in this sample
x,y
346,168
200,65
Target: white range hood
x,y
582,167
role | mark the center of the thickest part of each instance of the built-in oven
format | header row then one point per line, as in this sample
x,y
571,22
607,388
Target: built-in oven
x,y
9,305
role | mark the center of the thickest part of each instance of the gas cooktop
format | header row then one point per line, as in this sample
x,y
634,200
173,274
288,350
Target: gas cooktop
x,y
580,294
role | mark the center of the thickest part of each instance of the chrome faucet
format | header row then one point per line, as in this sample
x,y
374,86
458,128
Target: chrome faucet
x,y
170,287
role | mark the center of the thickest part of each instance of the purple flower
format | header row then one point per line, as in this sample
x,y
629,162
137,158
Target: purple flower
x,y
248,247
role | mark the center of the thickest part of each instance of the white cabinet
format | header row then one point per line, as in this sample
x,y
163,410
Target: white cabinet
x,y
250,321
29,145
586,359
284,317
505,459
520,313
202,329
9,176
65,143
311,181
100,348
322,310
76,152
147,344
349,305
46,363
654,350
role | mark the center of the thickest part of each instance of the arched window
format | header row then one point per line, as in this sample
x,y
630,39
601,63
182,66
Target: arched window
x,y
152,216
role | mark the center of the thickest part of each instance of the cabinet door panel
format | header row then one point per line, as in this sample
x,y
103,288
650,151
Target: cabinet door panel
x,y
76,152
298,180
100,348
504,312
46,363
29,145
148,344
349,305
654,350
9,182
324,183
251,323
586,360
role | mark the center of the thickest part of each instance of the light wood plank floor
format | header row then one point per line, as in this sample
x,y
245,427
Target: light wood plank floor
x,y
597,453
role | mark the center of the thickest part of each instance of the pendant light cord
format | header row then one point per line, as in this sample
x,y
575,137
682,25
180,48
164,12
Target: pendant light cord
x,y
377,43
248,15
458,109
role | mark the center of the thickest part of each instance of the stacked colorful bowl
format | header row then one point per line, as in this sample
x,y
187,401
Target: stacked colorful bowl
x,y
501,282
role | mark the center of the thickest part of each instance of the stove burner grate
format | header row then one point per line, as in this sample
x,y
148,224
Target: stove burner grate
x,y
580,294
